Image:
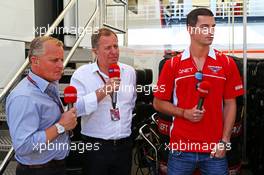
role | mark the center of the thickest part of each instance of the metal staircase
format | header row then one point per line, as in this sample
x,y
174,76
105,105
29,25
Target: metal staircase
x,y
75,55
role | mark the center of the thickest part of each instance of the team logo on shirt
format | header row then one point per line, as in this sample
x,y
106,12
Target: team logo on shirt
x,y
215,69
186,70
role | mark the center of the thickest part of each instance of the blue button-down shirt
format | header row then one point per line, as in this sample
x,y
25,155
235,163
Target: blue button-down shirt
x,y
30,111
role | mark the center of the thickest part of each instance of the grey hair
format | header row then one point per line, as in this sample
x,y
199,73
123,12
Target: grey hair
x,y
36,46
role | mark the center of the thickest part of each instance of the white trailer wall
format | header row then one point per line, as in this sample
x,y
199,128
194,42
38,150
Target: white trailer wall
x,y
17,20
17,27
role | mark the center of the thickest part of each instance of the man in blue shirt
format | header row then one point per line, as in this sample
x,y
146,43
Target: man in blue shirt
x,y
37,122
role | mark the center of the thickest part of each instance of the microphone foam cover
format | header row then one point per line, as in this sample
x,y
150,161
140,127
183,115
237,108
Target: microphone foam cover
x,y
114,71
70,94
204,88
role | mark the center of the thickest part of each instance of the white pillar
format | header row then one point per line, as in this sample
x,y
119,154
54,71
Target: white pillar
x,y
187,7
213,6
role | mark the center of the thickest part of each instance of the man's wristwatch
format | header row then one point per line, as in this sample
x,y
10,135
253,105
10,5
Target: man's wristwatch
x,y
227,145
60,128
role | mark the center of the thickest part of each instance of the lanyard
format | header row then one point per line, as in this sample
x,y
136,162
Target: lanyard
x,y
35,84
32,81
102,78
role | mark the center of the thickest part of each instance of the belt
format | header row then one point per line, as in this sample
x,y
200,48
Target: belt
x,y
50,164
103,141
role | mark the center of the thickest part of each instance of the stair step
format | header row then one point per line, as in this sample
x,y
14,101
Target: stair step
x,y
68,71
11,168
81,55
2,116
5,141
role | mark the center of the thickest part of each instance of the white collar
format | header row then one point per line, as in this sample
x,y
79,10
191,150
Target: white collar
x,y
186,53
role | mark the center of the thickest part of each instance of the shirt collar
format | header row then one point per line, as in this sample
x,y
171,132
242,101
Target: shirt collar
x,y
186,53
40,82
95,68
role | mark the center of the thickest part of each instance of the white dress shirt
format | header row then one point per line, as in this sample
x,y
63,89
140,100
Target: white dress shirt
x,y
96,119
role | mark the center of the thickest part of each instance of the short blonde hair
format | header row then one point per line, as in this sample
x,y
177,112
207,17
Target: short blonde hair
x,y
36,46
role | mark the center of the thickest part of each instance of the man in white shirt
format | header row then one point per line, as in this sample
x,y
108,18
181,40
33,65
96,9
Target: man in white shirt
x,y
95,106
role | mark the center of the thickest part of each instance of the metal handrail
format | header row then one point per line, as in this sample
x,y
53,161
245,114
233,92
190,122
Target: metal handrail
x,y
81,36
6,160
123,2
114,28
125,18
26,63
245,48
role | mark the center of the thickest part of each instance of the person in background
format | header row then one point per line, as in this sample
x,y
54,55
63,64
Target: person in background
x,y
37,122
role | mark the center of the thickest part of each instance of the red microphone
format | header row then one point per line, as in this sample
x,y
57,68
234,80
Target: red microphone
x,y
70,96
114,72
203,90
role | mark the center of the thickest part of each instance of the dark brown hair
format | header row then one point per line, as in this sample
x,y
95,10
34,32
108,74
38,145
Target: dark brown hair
x,y
192,17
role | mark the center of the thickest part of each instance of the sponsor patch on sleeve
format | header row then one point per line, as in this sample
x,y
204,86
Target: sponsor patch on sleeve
x,y
238,87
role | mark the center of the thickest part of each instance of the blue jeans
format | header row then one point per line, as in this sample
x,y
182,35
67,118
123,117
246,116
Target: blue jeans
x,y
184,163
